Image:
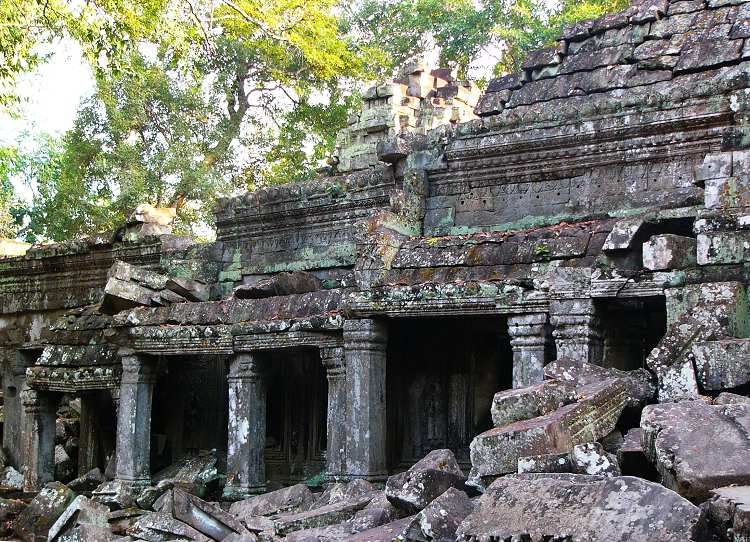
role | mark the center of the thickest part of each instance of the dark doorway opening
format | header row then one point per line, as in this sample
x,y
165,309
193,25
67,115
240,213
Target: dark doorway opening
x,y
441,376
632,328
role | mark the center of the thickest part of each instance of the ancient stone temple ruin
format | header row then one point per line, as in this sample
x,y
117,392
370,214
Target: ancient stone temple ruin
x,y
517,314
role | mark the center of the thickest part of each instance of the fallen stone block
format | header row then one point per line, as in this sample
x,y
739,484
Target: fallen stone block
x,y
581,507
88,482
10,508
120,521
11,480
81,511
329,514
192,472
160,527
612,442
697,447
192,290
391,532
668,251
338,492
120,295
379,512
632,459
545,463
728,513
208,518
65,468
496,452
440,519
726,398
590,458
34,522
722,364
287,283
518,404
282,500
640,384
427,479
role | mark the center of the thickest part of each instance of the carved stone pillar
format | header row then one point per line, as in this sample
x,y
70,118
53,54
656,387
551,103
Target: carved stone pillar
x,y
134,421
530,340
333,360
577,330
14,378
246,462
39,438
365,344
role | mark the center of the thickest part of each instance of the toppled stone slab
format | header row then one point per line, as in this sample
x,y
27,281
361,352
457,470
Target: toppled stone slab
x,y
728,513
427,479
338,492
581,508
329,514
440,519
668,251
391,532
518,404
88,482
640,385
162,527
11,480
282,500
81,511
697,447
379,512
286,283
205,517
120,521
192,290
193,472
722,364
594,415
35,521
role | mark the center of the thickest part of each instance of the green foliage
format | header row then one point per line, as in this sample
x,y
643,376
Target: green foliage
x,y
8,203
464,29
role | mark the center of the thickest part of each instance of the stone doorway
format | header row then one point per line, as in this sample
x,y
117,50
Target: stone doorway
x,y
190,409
296,407
631,329
441,376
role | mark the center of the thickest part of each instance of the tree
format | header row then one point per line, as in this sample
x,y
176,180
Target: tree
x,y
184,123
465,29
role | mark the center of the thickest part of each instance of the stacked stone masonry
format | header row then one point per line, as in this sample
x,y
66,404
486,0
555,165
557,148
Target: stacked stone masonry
x,y
533,300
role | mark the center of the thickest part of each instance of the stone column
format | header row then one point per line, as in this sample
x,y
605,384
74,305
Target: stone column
x,y
38,438
14,378
246,462
530,340
577,330
365,344
333,360
134,421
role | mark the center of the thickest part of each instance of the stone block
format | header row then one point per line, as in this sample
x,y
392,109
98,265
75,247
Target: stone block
x,y
207,518
714,166
330,514
81,511
723,247
545,463
640,386
385,533
728,511
531,402
440,519
594,415
590,458
430,477
34,523
697,447
663,252
192,290
581,507
727,192
707,53
280,501
722,364
162,527
727,398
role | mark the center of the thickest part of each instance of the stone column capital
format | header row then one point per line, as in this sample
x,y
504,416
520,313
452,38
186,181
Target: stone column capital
x,y
332,358
246,366
365,334
137,369
30,399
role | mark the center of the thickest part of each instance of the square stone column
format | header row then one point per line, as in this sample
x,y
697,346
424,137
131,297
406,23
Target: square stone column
x,y
14,379
365,343
38,438
134,421
334,362
530,340
577,330
246,461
